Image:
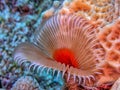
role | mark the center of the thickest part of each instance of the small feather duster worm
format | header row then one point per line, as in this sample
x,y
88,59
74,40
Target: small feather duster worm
x,y
66,44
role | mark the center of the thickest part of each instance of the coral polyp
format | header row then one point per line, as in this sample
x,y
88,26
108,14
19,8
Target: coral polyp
x,y
67,44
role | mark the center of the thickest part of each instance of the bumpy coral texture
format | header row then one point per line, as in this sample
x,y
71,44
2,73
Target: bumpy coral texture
x,y
26,83
101,11
74,6
109,75
110,39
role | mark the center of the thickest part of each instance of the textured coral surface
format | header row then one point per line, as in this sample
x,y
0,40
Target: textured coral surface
x,y
18,21
26,83
110,39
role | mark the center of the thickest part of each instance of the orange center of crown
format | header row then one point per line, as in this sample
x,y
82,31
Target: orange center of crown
x,y
65,56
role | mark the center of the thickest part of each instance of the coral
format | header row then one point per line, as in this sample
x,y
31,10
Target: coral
x,y
74,6
49,80
51,11
62,33
109,74
48,13
110,39
99,11
17,20
26,83
9,73
116,85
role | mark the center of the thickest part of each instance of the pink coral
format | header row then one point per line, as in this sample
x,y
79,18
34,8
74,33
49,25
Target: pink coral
x,y
110,39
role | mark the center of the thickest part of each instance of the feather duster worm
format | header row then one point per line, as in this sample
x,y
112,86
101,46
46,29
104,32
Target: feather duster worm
x,y
66,44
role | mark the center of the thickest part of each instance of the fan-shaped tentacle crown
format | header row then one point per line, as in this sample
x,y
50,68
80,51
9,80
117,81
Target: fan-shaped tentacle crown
x,y
65,43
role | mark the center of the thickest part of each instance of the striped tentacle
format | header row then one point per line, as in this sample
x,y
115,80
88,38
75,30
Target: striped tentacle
x,y
75,38
38,63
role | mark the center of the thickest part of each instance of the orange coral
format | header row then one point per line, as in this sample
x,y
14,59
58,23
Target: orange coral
x,y
109,37
109,75
78,5
113,56
101,12
74,6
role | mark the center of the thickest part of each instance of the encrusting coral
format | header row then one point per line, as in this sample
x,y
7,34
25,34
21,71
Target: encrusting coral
x,y
49,80
26,83
18,20
109,38
9,73
109,74
50,12
100,11
74,6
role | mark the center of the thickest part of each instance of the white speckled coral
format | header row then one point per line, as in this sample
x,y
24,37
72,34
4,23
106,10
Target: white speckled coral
x,y
26,83
66,43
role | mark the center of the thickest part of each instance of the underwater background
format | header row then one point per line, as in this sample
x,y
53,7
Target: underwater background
x,y
20,19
